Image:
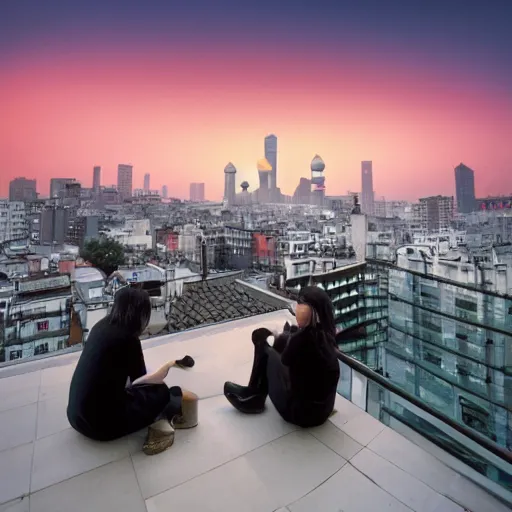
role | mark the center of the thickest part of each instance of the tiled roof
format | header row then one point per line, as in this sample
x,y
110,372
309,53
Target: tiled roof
x,y
214,300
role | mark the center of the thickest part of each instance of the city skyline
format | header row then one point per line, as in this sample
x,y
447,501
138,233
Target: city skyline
x,y
415,91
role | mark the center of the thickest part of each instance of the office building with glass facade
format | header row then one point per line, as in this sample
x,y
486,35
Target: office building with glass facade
x,y
446,344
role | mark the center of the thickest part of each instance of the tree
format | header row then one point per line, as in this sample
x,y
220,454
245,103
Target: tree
x,y
105,254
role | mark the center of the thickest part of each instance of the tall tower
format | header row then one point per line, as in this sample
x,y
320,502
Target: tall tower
x,y
271,157
317,180
265,177
367,199
124,181
244,197
465,189
147,178
165,191
96,179
229,184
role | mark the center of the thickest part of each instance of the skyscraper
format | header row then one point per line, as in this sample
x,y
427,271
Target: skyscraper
x,y
197,192
265,175
165,192
96,179
229,184
465,188
124,181
367,205
271,157
21,189
147,178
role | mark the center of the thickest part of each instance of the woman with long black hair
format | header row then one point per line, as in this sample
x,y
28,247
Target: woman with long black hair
x,y
111,395
300,372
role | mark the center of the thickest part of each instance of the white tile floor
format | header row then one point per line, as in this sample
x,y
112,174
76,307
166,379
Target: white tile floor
x,y
230,462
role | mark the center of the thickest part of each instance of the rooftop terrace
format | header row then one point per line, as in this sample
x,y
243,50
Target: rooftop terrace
x,y
229,462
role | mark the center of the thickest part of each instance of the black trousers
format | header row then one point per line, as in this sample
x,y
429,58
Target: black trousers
x,y
142,406
270,377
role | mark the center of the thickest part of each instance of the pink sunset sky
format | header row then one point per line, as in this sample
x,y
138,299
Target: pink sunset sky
x,y
181,114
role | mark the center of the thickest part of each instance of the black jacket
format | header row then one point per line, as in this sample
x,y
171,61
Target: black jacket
x,y
314,374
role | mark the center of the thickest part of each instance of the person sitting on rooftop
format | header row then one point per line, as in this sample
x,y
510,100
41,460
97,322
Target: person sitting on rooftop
x,y
300,372
111,395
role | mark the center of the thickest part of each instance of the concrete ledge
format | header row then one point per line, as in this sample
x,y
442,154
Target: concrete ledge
x,y
267,296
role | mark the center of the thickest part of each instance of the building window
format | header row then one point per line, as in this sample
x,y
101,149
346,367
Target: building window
x,y
433,358
41,349
15,354
43,326
466,304
476,418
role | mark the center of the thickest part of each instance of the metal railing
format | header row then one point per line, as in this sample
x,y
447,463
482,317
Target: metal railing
x,y
487,464
500,452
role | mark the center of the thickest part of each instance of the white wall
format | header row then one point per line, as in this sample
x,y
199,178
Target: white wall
x,y
359,233
93,316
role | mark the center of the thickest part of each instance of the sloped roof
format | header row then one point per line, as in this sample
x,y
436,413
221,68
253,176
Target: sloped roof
x,y
210,301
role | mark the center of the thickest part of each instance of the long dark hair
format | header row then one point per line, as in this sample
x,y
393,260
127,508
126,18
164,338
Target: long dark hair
x,y
131,310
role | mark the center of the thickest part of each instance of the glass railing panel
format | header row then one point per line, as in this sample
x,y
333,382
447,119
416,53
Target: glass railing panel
x,y
389,408
486,467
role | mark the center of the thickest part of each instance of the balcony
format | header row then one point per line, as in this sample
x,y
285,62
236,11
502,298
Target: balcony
x,y
230,461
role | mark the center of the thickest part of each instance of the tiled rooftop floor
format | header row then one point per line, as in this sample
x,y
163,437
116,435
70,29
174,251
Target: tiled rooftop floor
x,y
230,462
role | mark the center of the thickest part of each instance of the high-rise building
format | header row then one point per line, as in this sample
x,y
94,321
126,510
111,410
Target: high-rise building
x,y
271,157
317,181
264,174
124,181
367,202
81,229
147,178
53,225
58,187
96,179
165,192
229,184
465,189
21,189
436,213
197,192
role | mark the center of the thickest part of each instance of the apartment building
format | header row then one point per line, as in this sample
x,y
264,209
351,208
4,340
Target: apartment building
x,y
38,318
13,225
435,213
